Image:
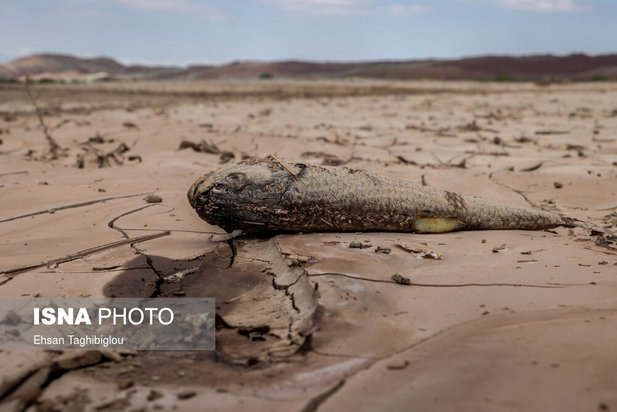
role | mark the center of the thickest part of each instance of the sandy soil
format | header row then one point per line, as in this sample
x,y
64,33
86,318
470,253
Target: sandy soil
x,y
507,320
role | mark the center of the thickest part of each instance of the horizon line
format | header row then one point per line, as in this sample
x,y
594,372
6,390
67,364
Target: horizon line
x,y
123,61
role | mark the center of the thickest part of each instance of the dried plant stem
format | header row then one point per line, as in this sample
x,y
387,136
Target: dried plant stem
x,y
291,172
84,253
54,148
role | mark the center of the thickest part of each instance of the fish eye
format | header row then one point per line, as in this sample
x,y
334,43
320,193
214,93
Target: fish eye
x,y
234,177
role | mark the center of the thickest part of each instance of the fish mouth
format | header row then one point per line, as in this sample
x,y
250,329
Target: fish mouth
x,y
194,189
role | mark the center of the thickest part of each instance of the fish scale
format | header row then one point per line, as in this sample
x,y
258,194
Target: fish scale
x,y
265,195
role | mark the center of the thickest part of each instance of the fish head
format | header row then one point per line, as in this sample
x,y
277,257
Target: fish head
x,y
242,196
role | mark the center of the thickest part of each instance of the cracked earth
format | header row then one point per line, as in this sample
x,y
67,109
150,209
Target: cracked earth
x,y
480,320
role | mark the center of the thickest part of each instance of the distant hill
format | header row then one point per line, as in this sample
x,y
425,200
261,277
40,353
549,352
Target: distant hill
x,y
538,67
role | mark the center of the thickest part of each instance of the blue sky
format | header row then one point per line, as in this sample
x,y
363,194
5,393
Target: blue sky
x,y
181,32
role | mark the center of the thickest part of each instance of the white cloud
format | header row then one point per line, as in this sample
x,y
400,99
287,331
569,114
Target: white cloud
x,y
129,61
195,7
347,7
344,7
406,10
198,7
544,5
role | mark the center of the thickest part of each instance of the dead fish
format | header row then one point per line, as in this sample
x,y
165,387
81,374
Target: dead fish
x,y
267,195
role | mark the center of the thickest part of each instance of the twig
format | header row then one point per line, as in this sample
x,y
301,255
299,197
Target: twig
x,y
448,163
546,132
80,204
518,192
606,252
481,153
54,148
154,229
85,252
21,172
532,168
291,172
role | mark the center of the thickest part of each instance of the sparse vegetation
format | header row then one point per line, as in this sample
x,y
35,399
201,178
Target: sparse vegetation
x,y
504,77
46,80
596,78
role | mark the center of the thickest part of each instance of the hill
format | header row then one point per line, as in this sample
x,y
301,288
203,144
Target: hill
x,y
537,67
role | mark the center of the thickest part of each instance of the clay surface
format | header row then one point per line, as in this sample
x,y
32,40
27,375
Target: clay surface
x,y
469,320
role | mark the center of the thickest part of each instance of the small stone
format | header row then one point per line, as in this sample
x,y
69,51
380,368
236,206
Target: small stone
x,y
153,199
154,395
401,280
558,185
125,383
186,394
355,245
383,250
496,249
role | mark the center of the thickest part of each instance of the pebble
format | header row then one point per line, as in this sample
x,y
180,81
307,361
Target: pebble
x,y
401,280
153,199
186,394
125,383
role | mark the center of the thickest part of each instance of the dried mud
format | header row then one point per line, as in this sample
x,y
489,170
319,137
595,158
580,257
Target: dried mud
x,y
480,320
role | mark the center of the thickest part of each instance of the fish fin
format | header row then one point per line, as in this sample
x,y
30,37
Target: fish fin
x,y
440,224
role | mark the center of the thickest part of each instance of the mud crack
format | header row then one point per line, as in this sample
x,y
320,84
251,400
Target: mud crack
x,y
446,285
314,404
71,206
266,307
20,391
160,277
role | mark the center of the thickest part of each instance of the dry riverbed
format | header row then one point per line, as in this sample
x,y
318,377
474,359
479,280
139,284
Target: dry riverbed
x,y
482,320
